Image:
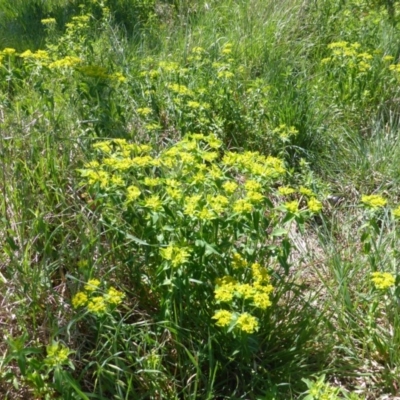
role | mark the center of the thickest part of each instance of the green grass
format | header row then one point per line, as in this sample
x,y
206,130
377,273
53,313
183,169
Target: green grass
x,y
265,79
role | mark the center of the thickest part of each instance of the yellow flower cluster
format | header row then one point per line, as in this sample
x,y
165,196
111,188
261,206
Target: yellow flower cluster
x,y
255,164
238,261
177,255
245,321
257,293
306,192
383,280
194,163
374,201
94,302
192,182
348,53
396,213
286,191
292,206
57,354
394,68
285,132
66,62
48,21
8,51
314,205
180,89
223,317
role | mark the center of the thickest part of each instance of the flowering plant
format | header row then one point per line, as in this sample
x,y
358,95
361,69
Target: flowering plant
x,y
208,227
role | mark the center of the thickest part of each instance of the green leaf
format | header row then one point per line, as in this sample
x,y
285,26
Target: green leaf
x,y
209,248
136,240
279,232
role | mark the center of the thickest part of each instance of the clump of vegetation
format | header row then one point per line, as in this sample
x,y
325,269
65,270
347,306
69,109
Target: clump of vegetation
x,y
199,199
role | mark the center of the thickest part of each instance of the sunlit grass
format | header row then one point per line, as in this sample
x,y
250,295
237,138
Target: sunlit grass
x,y
199,199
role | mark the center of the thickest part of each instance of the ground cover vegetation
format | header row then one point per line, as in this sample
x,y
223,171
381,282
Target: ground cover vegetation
x,y
199,199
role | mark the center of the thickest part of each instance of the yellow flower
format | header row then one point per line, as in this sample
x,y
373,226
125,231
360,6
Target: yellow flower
x,y
225,280
199,178
363,66
396,213
100,177
48,21
57,354
245,290
213,141
226,289
80,299
383,280
142,162
285,190
230,186
104,147
292,206
144,148
230,158
26,54
224,293
118,77
177,255
117,181
92,164
144,111
151,181
209,156
114,296
193,104
388,58
261,300
374,201
153,127
260,274
238,261
335,45
8,51
180,89
307,192
191,205
92,285
247,323
223,317
154,203
132,194
218,203
167,252
41,55
215,172
97,305
225,74
175,194
181,256
68,61
252,185
206,214
242,206
255,197
314,205
198,50
172,183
